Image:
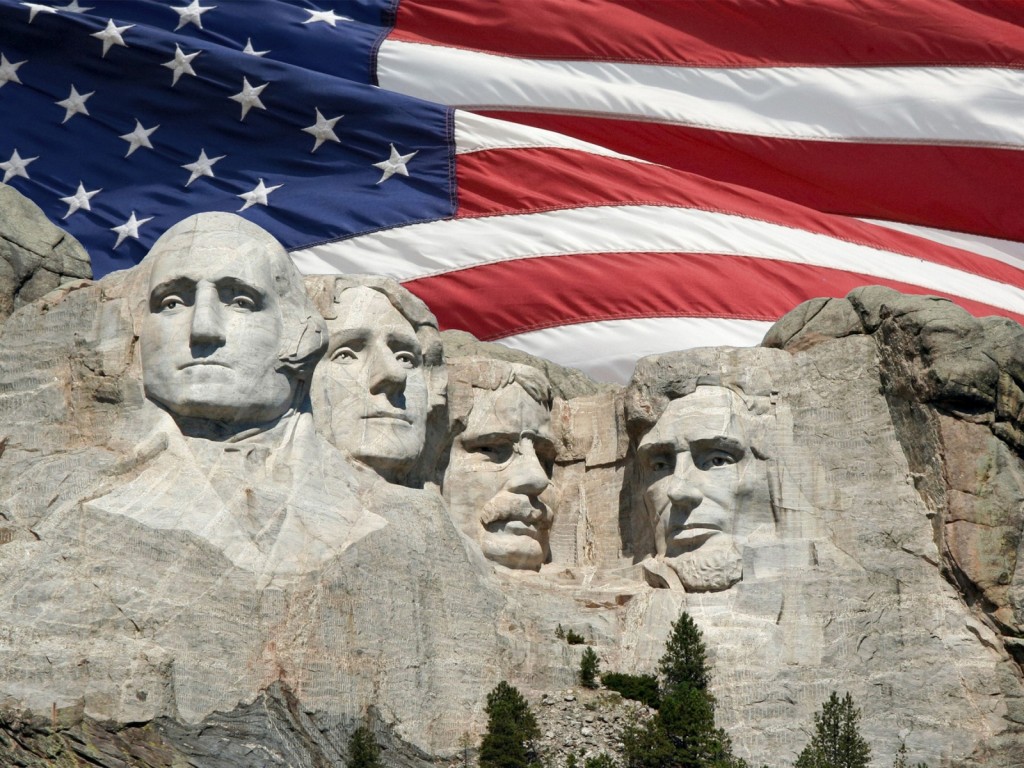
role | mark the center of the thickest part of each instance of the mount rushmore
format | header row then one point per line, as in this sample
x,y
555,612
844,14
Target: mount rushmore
x,y
243,512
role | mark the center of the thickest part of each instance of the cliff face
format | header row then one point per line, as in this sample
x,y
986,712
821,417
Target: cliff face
x,y
35,256
870,486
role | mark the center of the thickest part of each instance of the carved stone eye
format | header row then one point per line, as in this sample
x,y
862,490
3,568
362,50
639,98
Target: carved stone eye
x,y
407,359
495,451
660,462
716,459
345,355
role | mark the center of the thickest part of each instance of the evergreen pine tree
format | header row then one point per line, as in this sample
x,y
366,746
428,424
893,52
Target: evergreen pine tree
x,y
465,744
836,742
647,745
682,734
589,668
511,731
900,760
363,751
685,659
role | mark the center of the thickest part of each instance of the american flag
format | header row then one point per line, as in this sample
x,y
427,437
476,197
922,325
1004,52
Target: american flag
x,y
588,180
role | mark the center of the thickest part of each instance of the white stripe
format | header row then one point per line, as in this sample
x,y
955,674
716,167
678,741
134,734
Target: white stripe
x,y
954,105
426,249
608,350
476,133
1007,251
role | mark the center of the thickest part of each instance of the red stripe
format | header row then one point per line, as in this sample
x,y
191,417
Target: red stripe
x,y
531,180
492,301
727,32
965,189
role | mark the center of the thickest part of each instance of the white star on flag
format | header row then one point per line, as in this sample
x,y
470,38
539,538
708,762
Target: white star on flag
x,y
201,167
181,64
74,104
111,36
139,137
16,166
328,17
34,8
252,51
249,97
258,195
9,71
394,164
78,200
129,229
74,7
191,14
323,130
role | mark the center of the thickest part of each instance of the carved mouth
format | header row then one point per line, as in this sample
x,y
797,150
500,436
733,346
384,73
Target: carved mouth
x,y
693,534
400,416
515,514
200,363
515,527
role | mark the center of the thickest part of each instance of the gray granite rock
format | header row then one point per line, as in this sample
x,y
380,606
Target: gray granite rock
x,y
872,458
565,382
35,256
953,385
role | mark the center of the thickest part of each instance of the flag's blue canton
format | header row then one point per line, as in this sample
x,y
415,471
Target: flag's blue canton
x,y
316,69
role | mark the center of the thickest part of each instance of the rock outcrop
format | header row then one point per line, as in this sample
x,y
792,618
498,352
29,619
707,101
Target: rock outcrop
x,y
840,509
35,256
954,385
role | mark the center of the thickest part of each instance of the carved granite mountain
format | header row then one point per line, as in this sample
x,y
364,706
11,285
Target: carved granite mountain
x,y
181,583
955,389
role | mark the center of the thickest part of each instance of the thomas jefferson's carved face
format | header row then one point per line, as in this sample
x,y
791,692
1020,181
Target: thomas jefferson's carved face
x,y
498,471
211,339
372,380
704,486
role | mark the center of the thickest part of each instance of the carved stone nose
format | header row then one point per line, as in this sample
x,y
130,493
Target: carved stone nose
x,y
527,474
385,374
207,322
682,490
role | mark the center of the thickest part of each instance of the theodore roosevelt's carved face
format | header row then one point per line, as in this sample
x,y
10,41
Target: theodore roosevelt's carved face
x,y
498,471
373,381
211,339
704,486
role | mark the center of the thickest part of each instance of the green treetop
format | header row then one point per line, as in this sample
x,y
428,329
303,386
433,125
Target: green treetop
x,y
682,734
685,659
363,751
511,731
836,742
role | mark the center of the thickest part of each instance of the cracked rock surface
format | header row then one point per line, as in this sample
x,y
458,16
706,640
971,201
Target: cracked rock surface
x,y
35,256
954,385
890,566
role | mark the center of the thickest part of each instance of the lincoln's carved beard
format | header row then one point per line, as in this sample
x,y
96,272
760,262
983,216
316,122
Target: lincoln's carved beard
x,y
712,567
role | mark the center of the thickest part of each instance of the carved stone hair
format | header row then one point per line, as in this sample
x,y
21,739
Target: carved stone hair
x,y
660,379
303,331
468,373
327,291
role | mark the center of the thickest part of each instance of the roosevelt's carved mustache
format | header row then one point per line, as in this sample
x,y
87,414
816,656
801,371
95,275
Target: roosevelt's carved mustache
x,y
506,507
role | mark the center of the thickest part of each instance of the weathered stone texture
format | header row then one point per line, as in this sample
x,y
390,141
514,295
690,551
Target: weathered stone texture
x,y
953,386
885,439
35,256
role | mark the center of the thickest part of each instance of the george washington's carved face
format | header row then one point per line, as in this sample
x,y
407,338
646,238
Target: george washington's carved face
x,y
211,339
